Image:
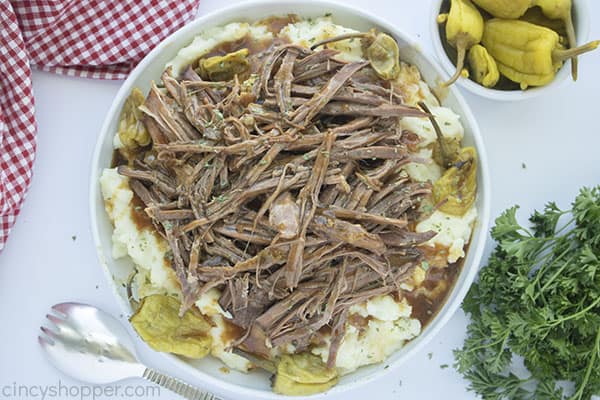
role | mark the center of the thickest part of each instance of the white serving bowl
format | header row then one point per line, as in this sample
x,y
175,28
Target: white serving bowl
x,y
581,21
256,384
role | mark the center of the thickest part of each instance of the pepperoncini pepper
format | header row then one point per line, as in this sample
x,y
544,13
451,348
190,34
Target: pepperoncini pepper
x,y
561,9
483,66
132,132
302,375
509,9
223,68
457,188
536,16
526,53
553,9
384,55
464,28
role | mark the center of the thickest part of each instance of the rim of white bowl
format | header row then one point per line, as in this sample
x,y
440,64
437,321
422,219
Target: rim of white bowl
x,y
455,297
562,77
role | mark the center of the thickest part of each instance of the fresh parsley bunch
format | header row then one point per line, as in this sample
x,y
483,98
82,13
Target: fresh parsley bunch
x,y
538,298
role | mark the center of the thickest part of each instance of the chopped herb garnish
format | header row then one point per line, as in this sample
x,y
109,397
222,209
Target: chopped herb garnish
x,y
219,115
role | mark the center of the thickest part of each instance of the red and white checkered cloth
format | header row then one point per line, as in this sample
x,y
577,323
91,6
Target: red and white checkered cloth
x,y
100,39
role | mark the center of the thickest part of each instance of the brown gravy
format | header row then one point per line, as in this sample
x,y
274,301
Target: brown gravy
x,y
358,321
231,332
138,215
425,308
275,24
247,42
117,159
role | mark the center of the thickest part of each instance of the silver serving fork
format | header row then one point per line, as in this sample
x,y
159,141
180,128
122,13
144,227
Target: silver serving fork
x,y
93,346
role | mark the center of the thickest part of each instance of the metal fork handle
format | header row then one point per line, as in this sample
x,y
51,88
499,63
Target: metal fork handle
x,y
175,385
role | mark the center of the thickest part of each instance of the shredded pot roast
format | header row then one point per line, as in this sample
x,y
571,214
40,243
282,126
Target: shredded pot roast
x,y
281,184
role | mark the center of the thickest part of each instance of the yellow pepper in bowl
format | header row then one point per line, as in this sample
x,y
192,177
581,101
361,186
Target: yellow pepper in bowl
x,y
553,9
483,66
526,53
510,9
464,28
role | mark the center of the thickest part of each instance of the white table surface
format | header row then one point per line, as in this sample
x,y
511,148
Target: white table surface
x,y
541,149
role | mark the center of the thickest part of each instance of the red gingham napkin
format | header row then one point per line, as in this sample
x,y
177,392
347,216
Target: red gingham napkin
x,y
100,39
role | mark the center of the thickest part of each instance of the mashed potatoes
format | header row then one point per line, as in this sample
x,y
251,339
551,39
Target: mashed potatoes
x,y
453,232
145,247
388,327
387,323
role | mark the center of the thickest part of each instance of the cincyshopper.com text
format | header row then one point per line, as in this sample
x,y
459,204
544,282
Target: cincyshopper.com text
x,y
64,391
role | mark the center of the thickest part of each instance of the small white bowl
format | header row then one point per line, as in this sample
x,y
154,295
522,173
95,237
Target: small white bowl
x,y
581,20
256,383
